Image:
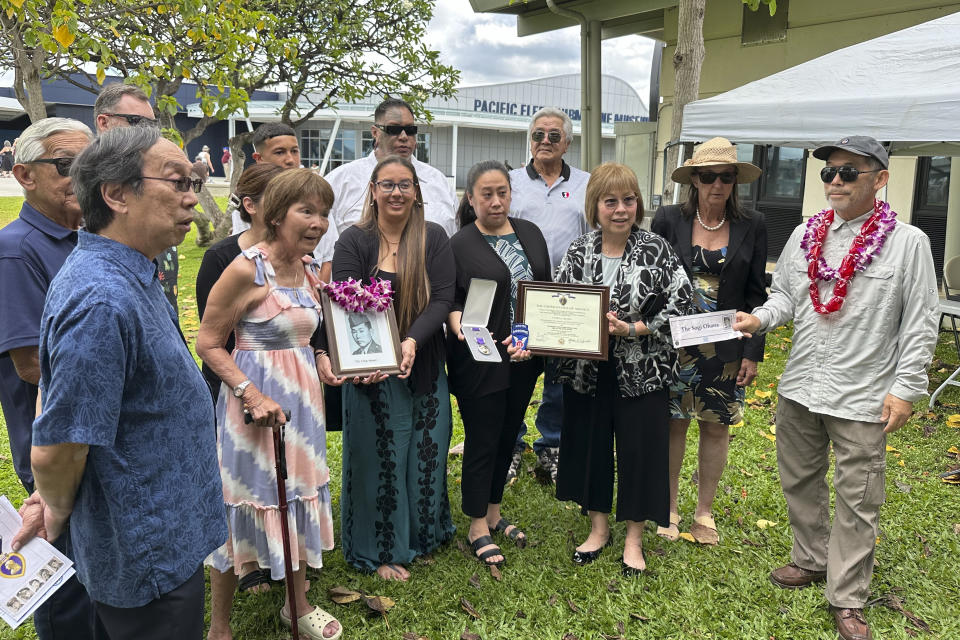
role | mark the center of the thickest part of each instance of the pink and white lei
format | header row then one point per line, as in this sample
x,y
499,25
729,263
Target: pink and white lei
x,y
864,247
356,297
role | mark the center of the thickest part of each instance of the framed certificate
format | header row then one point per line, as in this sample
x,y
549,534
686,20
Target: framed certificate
x,y
565,320
361,342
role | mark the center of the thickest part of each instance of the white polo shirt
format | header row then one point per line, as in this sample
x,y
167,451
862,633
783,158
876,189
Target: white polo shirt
x,y
349,182
557,209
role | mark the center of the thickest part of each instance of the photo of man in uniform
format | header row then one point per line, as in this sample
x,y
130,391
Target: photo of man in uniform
x,y
361,331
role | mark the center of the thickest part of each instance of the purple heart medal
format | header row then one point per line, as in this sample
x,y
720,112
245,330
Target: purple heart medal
x,y
520,334
481,343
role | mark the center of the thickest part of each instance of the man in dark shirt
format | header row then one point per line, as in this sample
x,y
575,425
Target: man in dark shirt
x,y
32,249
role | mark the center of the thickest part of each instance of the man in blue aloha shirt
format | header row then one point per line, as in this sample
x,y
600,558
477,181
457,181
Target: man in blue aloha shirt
x,y
124,447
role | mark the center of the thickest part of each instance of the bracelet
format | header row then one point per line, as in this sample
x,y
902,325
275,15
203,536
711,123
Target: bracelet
x,y
320,352
411,339
632,332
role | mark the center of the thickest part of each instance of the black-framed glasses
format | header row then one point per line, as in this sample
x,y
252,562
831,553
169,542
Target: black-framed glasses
x,y
397,129
709,177
553,136
847,174
387,186
133,119
183,184
62,164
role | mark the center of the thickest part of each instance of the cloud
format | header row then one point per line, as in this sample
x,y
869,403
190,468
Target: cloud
x,y
486,49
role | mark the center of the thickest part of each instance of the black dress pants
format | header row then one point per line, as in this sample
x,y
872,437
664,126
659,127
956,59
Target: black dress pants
x,y
177,614
585,472
490,425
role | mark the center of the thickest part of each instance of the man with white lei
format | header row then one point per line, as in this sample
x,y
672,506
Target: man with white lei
x,y
862,293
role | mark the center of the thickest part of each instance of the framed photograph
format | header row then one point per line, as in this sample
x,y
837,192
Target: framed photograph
x,y
361,342
565,320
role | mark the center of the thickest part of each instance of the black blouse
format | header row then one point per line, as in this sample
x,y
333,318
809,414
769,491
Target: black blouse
x,y
214,263
475,258
355,256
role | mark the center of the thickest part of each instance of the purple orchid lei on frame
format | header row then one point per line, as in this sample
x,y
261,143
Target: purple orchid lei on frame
x,y
356,297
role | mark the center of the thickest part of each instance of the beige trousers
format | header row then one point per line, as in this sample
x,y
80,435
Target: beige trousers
x,y
845,549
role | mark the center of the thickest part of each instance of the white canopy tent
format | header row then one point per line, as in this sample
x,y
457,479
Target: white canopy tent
x,y
902,88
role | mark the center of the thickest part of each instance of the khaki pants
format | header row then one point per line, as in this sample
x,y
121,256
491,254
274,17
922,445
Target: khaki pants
x,y
845,549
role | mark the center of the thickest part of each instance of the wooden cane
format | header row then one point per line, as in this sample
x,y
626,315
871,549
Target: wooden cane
x,y
279,452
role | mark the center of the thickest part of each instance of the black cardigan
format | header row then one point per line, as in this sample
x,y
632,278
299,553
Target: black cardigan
x,y
743,276
475,258
355,256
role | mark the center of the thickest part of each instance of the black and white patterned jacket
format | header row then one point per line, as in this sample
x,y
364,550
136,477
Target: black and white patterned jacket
x,y
651,286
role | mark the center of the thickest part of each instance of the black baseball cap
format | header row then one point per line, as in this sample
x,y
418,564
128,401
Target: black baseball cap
x,y
860,145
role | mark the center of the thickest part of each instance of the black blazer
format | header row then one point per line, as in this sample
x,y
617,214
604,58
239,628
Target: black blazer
x,y
475,258
743,276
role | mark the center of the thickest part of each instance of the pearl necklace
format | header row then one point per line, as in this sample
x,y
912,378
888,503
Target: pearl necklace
x,y
715,227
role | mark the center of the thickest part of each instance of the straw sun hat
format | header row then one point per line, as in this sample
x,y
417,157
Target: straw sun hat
x,y
716,151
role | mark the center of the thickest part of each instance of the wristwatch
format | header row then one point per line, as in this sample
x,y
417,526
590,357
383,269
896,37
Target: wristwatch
x,y
240,388
632,331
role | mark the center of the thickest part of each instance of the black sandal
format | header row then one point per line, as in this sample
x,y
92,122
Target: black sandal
x,y
484,541
519,538
253,579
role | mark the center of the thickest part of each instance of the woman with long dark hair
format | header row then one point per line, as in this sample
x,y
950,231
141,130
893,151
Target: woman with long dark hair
x,y
396,429
492,397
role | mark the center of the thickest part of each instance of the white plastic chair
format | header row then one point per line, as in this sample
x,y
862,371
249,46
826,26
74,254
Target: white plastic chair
x,y
951,308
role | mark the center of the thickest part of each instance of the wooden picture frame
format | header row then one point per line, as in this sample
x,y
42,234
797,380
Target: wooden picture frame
x,y
361,343
564,320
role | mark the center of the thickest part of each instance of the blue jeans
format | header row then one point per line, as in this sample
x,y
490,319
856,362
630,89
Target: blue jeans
x,y
68,614
550,413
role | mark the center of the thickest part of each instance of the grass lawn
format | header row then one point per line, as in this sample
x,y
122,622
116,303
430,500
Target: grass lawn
x,y
690,591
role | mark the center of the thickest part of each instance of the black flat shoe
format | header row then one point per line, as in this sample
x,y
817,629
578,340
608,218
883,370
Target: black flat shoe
x,y
628,571
586,557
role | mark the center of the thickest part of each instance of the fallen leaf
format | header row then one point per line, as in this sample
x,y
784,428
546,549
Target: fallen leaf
x,y
953,420
953,452
770,437
637,616
893,601
751,543
495,572
900,462
773,428
553,600
466,606
621,627
410,635
570,636
611,636
956,529
763,524
760,393
771,385
520,614
468,635
930,415
474,581
889,448
904,488
342,595
926,551
380,604
739,424
787,340
688,537
613,586
573,606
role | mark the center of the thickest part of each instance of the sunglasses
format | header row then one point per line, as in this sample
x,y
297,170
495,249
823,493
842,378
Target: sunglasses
x,y
183,184
134,120
709,177
397,129
539,135
62,164
847,174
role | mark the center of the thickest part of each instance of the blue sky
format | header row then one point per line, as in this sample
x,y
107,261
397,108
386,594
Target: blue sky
x,y
486,49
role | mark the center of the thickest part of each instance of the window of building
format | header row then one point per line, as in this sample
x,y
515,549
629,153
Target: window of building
x,y
423,147
783,174
366,143
759,27
930,196
313,146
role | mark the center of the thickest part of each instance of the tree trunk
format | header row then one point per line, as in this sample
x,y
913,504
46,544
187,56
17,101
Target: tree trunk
x,y
687,61
27,65
206,219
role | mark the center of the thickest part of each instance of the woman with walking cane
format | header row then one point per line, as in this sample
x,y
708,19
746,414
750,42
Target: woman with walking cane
x,y
267,298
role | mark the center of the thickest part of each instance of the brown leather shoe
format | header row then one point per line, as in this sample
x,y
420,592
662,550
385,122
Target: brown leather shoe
x,y
851,625
790,576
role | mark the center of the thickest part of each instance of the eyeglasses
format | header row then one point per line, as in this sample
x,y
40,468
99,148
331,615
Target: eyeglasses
x,y
552,136
62,164
610,204
387,186
847,174
709,177
397,129
134,120
183,184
